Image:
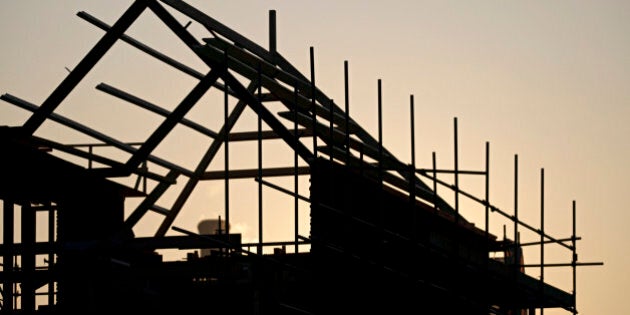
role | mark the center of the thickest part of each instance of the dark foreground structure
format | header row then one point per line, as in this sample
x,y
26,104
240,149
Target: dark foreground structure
x,y
380,239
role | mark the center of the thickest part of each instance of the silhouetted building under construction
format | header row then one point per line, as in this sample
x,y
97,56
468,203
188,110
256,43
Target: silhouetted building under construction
x,y
380,240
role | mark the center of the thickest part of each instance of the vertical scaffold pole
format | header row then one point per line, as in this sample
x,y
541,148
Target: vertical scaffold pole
x,y
313,111
412,175
487,184
516,250
434,166
456,174
28,258
380,125
516,255
331,130
260,188
227,160
331,186
272,32
347,108
295,170
574,261
380,157
542,233
51,254
347,187
7,258
487,220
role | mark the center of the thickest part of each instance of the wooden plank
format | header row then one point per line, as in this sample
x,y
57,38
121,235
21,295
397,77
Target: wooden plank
x,y
252,173
266,135
153,108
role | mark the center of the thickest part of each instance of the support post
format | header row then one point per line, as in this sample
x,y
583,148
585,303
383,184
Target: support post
x,y
412,176
574,260
487,222
487,185
331,131
434,167
542,233
51,254
260,175
347,108
7,258
28,258
380,154
226,138
516,246
313,108
295,171
272,32
456,173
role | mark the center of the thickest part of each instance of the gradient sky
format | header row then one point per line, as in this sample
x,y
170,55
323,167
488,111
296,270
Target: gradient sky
x,y
544,80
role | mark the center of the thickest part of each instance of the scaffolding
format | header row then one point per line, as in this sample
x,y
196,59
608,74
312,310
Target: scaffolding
x,y
372,215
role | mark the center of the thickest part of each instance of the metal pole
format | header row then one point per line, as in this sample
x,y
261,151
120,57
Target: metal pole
x,y
347,190
516,254
7,258
272,32
487,182
331,131
226,139
456,171
347,105
412,175
542,232
51,253
28,258
313,111
380,123
413,140
574,261
433,160
487,221
381,217
260,186
295,171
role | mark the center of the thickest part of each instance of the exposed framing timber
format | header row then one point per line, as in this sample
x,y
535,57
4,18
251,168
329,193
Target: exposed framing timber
x,y
93,133
86,64
253,173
